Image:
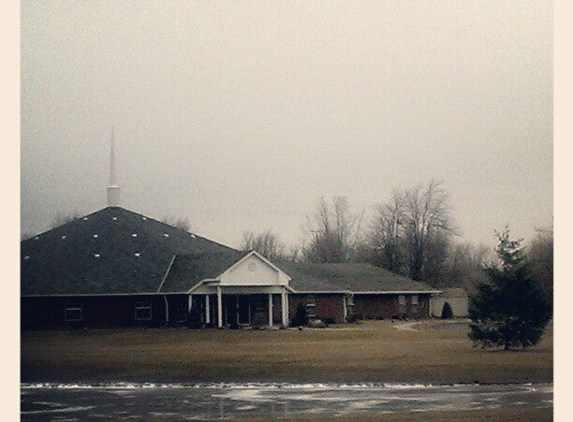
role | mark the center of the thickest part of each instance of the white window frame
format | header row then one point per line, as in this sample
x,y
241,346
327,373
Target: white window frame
x,y
414,300
71,308
143,305
401,299
311,306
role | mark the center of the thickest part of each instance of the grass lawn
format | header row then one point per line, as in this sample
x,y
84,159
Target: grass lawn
x,y
373,351
479,415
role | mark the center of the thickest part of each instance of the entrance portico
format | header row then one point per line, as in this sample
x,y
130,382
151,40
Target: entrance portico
x,y
243,306
252,292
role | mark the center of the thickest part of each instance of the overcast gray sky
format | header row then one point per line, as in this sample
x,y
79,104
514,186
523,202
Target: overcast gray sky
x,y
241,115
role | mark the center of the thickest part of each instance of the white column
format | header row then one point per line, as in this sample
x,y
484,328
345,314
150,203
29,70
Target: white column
x,y
219,308
430,297
284,306
270,309
287,307
166,309
207,309
189,303
345,307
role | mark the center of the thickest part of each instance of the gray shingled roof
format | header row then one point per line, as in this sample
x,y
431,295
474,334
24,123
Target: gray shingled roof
x,y
188,270
116,251
348,277
111,251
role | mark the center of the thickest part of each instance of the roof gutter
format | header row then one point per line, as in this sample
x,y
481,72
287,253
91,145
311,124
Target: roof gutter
x,y
93,294
206,280
396,292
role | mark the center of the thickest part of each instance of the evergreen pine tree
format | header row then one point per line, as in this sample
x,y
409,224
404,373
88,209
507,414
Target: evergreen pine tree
x,y
447,312
511,310
301,317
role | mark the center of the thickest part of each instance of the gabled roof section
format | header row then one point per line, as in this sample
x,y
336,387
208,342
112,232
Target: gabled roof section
x,y
252,252
254,274
189,270
348,278
111,251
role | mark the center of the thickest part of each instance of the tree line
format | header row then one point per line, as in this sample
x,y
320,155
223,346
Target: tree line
x,y
413,233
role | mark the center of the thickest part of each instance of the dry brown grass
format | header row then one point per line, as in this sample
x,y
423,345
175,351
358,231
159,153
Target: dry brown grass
x,y
478,415
522,414
526,414
374,351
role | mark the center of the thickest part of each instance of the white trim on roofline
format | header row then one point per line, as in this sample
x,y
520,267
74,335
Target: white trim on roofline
x,y
262,258
196,286
290,289
214,281
100,294
400,292
251,253
395,292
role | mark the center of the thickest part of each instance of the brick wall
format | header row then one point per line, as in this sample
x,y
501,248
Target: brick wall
x,y
96,311
328,307
372,306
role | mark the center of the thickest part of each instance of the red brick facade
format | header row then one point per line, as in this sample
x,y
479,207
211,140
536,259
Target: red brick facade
x,y
92,311
115,311
380,306
328,307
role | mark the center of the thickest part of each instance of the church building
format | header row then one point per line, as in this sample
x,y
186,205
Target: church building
x,y
115,267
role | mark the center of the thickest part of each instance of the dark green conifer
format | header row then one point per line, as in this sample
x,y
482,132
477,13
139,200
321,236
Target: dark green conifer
x,y
510,310
447,312
301,316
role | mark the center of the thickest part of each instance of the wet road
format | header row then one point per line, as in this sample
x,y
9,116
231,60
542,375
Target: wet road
x,y
41,402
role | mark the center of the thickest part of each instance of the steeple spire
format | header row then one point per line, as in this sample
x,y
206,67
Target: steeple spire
x,y
113,187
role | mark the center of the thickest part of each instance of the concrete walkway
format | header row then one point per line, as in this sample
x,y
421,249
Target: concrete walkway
x,y
406,326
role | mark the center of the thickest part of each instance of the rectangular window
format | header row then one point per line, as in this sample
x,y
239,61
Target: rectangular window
x,y
311,306
181,314
73,312
143,310
414,299
349,305
401,299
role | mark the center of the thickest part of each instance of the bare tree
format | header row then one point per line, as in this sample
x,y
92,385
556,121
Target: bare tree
x,y
266,243
464,266
387,235
333,232
62,218
428,218
540,255
411,232
181,223
294,254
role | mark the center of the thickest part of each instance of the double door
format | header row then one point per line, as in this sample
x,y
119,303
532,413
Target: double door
x,y
242,310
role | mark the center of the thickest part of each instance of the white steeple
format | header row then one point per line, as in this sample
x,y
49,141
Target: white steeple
x,y
113,187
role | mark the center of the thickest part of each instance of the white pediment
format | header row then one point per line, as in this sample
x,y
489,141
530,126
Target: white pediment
x,y
254,270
